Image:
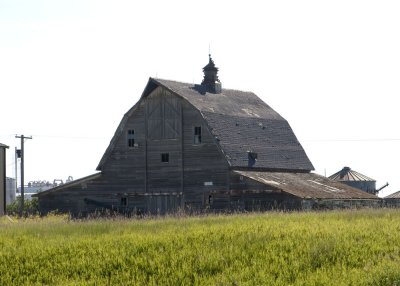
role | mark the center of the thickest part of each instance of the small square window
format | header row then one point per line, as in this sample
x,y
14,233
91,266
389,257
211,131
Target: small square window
x,y
197,135
131,138
165,157
124,201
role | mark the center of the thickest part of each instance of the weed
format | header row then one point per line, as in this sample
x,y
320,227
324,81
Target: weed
x,y
326,248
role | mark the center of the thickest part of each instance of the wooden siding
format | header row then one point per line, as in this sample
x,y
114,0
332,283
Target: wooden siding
x,y
163,123
205,168
243,122
124,171
250,195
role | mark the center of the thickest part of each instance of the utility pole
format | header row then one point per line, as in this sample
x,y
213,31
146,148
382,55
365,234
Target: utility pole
x,y
16,169
21,208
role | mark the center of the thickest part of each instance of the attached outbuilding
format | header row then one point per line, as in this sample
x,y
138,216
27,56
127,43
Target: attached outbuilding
x,y
302,191
3,179
198,147
392,200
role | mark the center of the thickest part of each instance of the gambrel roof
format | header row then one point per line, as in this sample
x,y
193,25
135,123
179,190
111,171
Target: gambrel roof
x,y
240,122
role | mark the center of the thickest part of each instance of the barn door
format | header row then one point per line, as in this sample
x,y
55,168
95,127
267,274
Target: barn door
x,y
163,115
172,114
154,112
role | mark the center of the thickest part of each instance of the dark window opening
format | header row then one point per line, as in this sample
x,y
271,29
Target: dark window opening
x,y
210,200
165,157
197,135
131,138
124,202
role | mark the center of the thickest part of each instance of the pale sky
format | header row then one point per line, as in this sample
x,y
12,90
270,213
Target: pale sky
x,y
69,70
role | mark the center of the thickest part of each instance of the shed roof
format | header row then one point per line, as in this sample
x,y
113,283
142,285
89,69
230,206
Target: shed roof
x,y
347,174
3,146
240,121
307,185
69,184
395,195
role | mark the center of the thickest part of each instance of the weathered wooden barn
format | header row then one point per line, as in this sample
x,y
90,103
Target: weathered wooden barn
x,y
198,147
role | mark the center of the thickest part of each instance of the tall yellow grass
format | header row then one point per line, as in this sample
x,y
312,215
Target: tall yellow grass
x,y
325,248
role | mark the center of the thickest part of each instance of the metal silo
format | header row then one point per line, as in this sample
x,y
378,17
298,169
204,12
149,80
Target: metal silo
x,y
354,179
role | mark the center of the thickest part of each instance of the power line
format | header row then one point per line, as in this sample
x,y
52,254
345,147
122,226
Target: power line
x,y
354,140
304,140
71,137
6,135
61,137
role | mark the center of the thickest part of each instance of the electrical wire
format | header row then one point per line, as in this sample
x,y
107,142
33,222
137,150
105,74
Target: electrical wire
x,y
304,140
354,140
70,137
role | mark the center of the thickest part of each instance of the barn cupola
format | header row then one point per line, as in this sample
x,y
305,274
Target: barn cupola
x,y
211,80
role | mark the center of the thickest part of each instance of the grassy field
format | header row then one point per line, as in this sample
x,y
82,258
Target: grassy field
x,y
329,248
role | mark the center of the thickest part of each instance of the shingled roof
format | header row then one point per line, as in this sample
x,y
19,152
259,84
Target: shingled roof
x,y
242,122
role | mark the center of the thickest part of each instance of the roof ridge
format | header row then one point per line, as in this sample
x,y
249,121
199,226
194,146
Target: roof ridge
x,y
197,84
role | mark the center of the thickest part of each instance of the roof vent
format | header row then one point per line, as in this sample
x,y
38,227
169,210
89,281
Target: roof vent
x,y
252,158
211,80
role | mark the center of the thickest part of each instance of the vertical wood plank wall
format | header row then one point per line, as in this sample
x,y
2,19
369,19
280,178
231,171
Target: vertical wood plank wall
x,y
162,123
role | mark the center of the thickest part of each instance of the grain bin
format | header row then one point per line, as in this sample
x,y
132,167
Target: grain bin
x,y
355,179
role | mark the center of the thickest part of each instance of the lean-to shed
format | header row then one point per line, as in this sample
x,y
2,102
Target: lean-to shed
x,y
392,200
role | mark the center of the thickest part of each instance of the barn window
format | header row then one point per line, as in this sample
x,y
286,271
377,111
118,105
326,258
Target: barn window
x,y
165,157
197,135
124,201
131,138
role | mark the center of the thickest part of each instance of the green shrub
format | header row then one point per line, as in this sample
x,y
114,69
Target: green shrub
x,y
30,207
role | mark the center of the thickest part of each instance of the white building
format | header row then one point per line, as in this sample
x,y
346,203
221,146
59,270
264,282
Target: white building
x,y
10,190
35,187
